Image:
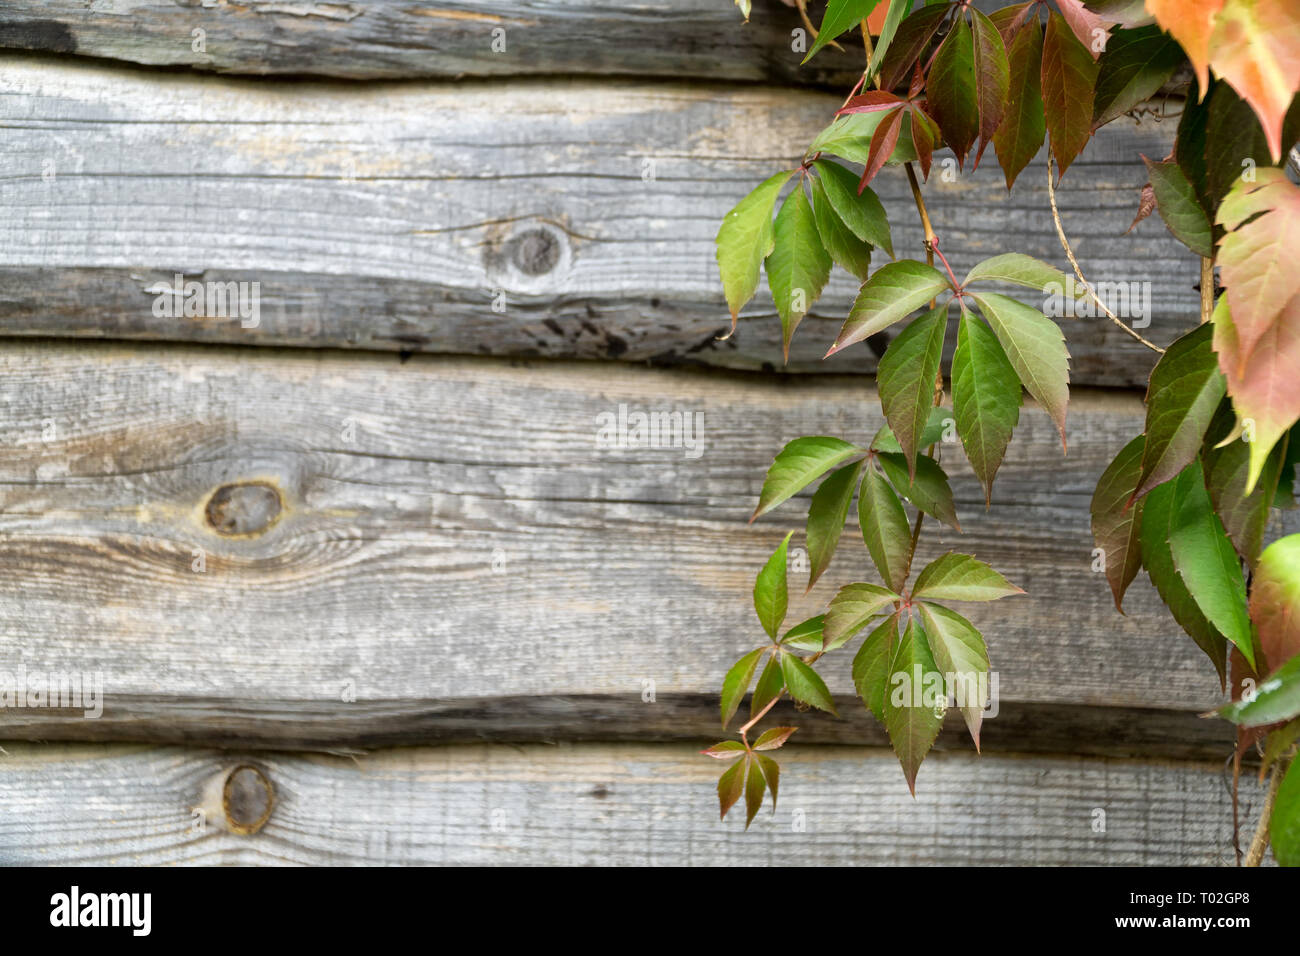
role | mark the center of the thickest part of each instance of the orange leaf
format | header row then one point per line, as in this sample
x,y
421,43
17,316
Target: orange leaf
x,y
1190,22
1256,48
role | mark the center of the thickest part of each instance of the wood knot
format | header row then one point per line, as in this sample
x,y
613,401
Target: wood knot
x,y
240,509
247,799
535,252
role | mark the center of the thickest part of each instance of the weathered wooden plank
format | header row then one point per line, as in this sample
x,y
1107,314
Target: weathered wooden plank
x,y
393,39
555,219
609,805
454,529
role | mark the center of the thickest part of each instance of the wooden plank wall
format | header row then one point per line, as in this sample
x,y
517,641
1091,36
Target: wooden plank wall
x,y
380,519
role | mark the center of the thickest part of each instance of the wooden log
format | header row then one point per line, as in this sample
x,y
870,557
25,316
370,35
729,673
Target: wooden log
x,y
360,549
632,804
554,219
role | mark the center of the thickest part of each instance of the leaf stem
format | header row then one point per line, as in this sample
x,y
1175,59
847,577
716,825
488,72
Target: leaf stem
x,y
1207,289
1069,254
744,730
930,238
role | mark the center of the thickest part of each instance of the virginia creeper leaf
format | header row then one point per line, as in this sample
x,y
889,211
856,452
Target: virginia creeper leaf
x,y
961,577
884,528
906,378
871,665
736,683
1089,28
1020,135
798,266
806,635
1185,389
771,772
985,398
992,78
755,785
805,684
883,143
950,90
799,464
844,247
1134,67
861,212
1206,561
744,240
1117,519
1276,699
1255,46
1180,207
850,137
770,594
727,750
731,785
852,609
1035,346
893,19
826,517
1019,269
1157,557
1227,468
911,41
1191,22
773,738
1275,602
840,17
960,653
927,490
895,290
771,681
1069,78
913,710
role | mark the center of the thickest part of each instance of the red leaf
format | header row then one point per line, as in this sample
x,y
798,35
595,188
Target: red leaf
x,y
872,102
883,142
992,78
1085,25
924,134
1256,48
950,91
1020,136
913,37
1069,80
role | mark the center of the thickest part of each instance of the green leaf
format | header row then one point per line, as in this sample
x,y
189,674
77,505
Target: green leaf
x,y
985,398
840,17
844,247
895,291
1117,519
1186,387
1158,559
913,714
1279,742
736,683
1276,699
912,40
850,136
1206,561
770,594
1018,269
893,18
798,266
731,785
992,77
805,684
861,212
906,376
1275,602
798,465
1244,516
771,771
928,490
961,577
960,653
806,635
871,665
773,738
1069,78
755,786
1284,824
727,750
884,528
1180,208
950,90
852,609
1020,136
745,239
826,516
1036,349
770,684
1133,67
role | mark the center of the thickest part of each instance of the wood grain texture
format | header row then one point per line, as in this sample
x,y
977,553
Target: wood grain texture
x,y
452,530
392,39
549,219
590,804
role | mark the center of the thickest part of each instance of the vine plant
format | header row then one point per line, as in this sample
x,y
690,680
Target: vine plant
x,y
1188,500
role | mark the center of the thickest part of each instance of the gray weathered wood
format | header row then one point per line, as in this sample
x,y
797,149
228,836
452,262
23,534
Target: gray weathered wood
x,y
634,804
402,217
450,529
378,39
